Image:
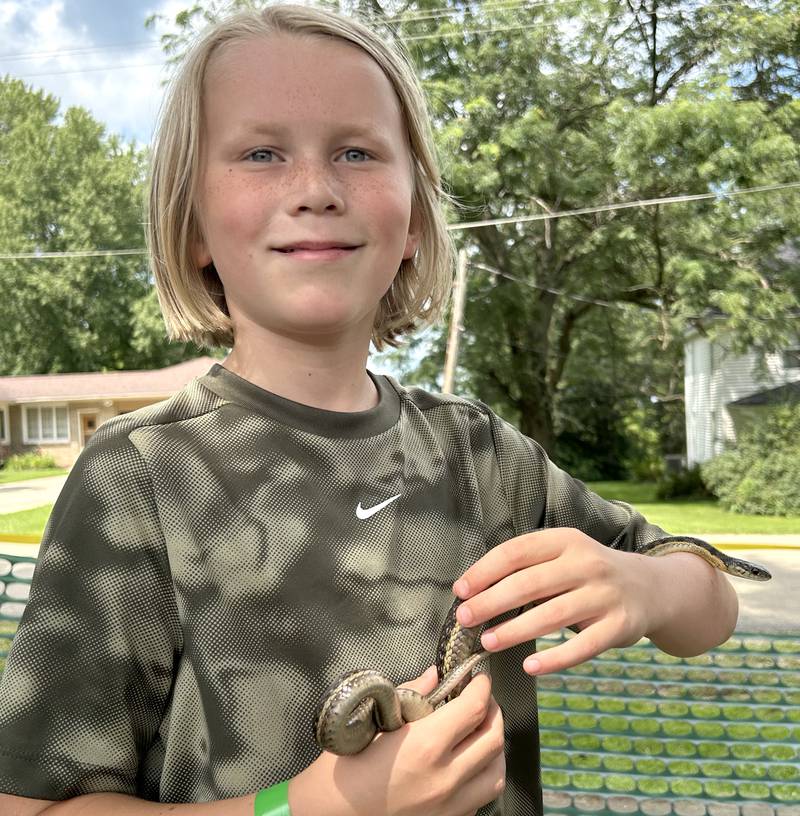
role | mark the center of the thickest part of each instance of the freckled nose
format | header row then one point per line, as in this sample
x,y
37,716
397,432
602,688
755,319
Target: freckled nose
x,y
316,189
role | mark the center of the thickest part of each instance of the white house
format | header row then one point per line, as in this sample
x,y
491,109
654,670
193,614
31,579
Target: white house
x,y
725,391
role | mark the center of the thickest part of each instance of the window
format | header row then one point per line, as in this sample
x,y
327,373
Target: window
x,y
46,423
791,357
3,423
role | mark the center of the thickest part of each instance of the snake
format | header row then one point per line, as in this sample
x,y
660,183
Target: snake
x,y
360,704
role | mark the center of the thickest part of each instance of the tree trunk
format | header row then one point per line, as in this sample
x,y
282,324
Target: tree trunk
x,y
532,366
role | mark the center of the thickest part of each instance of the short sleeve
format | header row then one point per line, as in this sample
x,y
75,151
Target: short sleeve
x,y
541,495
91,666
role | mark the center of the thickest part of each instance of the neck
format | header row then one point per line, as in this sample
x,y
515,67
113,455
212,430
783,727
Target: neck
x,y
331,376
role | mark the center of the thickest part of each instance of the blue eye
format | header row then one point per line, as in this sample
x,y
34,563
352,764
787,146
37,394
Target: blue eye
x,y
260,154
356,150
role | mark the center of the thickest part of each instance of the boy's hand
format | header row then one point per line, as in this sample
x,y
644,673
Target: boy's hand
x,y
449,763
610,595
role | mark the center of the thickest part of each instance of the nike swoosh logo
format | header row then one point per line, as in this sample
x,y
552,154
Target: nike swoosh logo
x,y
366,512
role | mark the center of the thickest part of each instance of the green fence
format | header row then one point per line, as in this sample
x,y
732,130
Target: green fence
x,y
638,731
15,585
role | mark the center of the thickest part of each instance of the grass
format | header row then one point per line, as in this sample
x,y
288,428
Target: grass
x,y
26,522
24,475
689,515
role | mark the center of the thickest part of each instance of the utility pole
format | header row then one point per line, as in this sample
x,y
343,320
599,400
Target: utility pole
x,y
456,316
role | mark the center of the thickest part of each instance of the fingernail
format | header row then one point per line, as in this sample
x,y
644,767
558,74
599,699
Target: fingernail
x,y
464,615
460,588
531,665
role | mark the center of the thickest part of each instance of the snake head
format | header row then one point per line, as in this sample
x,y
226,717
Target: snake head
x,y
756,572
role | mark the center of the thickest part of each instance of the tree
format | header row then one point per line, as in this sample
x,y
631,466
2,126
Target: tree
x,y
625,102
539,109
65,186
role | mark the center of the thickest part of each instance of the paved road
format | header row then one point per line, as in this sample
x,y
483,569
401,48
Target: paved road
x,y
31,493
771,607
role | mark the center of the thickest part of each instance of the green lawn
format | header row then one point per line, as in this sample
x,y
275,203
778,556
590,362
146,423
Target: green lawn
x,y
25,522
691,516
24,475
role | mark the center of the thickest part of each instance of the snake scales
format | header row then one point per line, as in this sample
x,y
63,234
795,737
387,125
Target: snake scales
x,y
362,703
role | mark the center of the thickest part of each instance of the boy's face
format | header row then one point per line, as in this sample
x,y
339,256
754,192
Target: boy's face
x,y
303,140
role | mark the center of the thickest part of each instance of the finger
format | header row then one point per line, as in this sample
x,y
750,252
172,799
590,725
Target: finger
x,y
425,683
484,787
518,589
558,612
483,745
513,555
592,641
462,716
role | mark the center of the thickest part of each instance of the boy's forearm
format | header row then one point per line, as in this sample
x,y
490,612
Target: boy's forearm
x,y
697,606
101,804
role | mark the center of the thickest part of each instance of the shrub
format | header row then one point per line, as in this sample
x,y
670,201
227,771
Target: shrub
x,y
684,484
761,475
29,461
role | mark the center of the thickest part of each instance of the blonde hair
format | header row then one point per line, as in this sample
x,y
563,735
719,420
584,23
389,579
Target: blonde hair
x,y
192,298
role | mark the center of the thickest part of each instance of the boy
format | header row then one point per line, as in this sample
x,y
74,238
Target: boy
x,y
215,560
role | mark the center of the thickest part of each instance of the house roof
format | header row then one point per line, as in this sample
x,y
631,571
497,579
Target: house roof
x,y
790,392
159,383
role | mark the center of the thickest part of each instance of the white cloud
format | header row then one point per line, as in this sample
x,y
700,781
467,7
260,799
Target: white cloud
x,y
120,86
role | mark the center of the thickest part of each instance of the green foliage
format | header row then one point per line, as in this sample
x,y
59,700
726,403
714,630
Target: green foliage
x,y
67,186
538,110
29,461
761,475
685,484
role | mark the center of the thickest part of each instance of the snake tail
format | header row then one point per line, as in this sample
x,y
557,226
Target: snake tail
x,y
455,681
456,642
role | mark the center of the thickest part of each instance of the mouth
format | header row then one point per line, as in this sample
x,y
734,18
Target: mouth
x,y
317,252
315,246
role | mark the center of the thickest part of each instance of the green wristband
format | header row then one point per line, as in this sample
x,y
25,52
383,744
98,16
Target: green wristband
x,y
273,801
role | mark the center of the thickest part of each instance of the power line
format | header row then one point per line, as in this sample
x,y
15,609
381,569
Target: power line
x,y
73,253
437,14
622,205
89,49
414,38
644,202
427,14
89,70
408,38
607,304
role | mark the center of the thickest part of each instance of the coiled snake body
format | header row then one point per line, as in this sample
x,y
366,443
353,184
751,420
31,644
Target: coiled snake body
x,y
362,703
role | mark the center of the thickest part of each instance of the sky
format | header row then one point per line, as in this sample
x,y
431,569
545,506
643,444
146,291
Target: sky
x,y
91,53
96,54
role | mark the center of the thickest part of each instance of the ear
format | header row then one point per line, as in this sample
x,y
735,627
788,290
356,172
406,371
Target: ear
x,y
200,251
414,235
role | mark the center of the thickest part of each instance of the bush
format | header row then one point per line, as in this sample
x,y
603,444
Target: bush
x,y
761,475
685,484
29,461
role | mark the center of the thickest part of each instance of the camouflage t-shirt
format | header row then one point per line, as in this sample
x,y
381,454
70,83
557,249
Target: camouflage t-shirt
x,y
216,560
